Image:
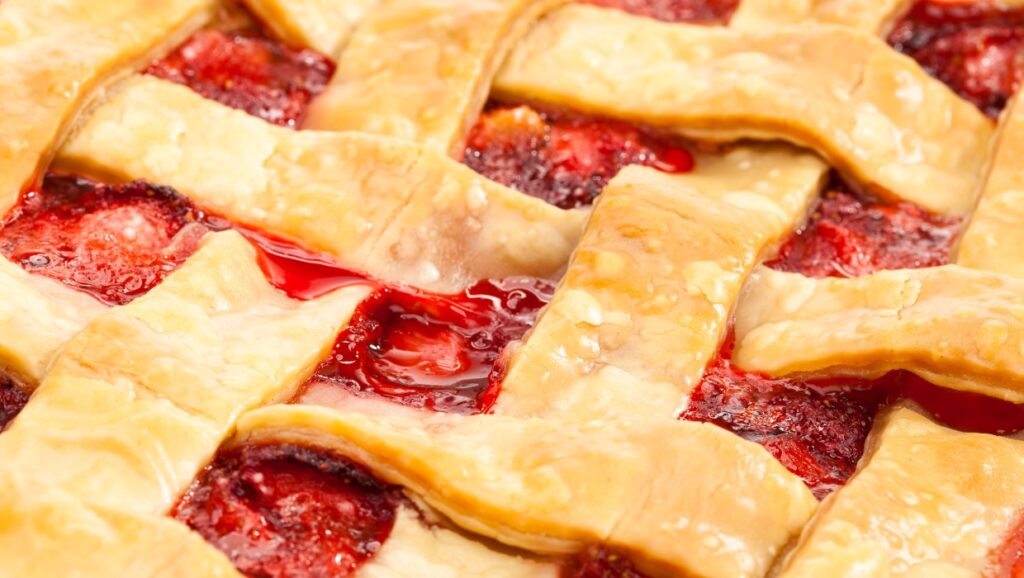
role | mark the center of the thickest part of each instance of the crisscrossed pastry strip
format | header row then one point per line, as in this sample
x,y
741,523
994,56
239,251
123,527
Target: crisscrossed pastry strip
x,y
37,317
421,71
552,486
956,327
867,15
387,207
874,113
994,239
323,25
649,291
140,400
928,501
45,78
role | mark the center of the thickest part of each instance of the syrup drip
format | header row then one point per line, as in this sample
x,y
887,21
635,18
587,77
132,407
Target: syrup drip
x,y
563,158
279,511
975,48
431,351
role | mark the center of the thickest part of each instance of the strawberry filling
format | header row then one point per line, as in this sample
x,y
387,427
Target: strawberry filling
x,y
599,562
563,158
114,242
973,47
244,68
693,11
849,235
817,428
435,352
279,511
12,399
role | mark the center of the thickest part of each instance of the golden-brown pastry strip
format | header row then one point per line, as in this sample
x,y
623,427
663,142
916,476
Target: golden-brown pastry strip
x,y
323,25
994,239
650,289
876,115
140,400
927,502
55,55
421,71
680,498
956,327
37,317
416,550
45,533
391,208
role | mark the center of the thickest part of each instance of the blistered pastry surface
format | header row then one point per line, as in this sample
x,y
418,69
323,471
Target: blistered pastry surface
x,y
954,326
45,78
387,207
651,286
323,25
48,532
927,501
421,71
872,112
554,487
140,400
37,317
994,240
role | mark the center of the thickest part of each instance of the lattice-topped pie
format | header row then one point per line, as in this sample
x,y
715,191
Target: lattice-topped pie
x,y
511,288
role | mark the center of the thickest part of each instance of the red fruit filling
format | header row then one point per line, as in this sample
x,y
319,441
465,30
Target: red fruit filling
x,y
114,242
599,562
431,351
244,68
848,236
695,11
817,428
973,47
12,399
279,511
1007,560
563,158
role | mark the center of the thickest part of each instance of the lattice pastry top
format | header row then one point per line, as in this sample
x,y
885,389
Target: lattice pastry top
x,y
511,288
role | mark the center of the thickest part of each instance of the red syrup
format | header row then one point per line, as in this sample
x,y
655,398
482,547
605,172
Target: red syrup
x,y
279,511
691,11
114,242
563,158
436,352
817,428
241,66
850,235
1007,559
12,399
599,562
976,48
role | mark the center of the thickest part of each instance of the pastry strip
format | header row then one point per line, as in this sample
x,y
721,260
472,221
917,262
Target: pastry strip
x,y
956,327
387,207
421,71
37,317
994,239
323,25
140,400
875,114
649,291
46,78
679,498
927,501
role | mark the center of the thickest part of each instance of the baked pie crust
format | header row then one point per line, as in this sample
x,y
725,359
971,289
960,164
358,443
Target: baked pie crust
x,y
590,454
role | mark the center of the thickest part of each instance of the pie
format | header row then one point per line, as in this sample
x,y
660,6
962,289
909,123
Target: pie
x,y
511,288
